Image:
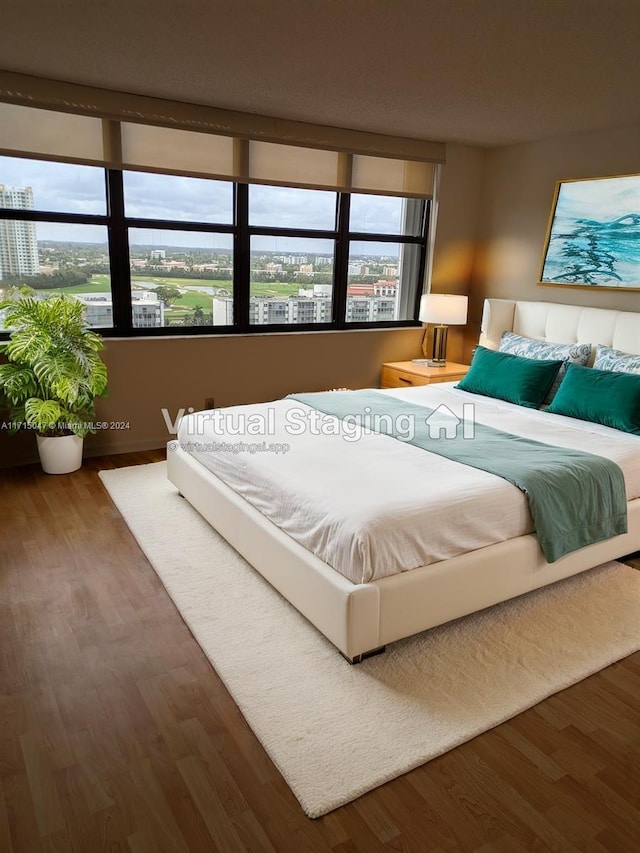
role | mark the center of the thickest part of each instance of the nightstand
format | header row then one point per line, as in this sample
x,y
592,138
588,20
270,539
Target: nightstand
x,y
400,374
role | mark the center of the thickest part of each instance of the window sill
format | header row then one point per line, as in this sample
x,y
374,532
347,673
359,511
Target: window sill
x,y
260,334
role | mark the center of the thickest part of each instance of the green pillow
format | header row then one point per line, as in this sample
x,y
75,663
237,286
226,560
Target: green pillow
x,y
600,396
525,381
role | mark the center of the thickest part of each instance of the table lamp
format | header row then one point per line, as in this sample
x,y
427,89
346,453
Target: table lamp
x,y
442,310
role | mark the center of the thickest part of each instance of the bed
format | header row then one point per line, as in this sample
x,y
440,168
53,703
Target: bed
x,y
436,558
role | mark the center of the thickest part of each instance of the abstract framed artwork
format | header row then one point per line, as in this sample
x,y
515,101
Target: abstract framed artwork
x,y
593,238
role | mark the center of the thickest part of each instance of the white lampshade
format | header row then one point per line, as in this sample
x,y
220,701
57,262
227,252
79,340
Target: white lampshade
x,y
443,309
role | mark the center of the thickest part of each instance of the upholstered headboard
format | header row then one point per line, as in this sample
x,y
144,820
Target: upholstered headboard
x,y
562,324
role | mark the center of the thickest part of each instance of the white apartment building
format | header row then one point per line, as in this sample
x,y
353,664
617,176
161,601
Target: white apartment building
x,y
18,239
385,288
290,310
222,310
266,310
146,308
369,309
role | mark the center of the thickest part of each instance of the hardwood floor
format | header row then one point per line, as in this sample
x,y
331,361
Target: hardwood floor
x,y
117,735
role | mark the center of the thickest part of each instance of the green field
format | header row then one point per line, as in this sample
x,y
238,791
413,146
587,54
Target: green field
x,y
258,288
186,304
181,282
190,298
98,284
274,288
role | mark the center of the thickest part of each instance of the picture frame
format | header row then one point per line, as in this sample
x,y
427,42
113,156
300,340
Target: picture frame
x,y
593,235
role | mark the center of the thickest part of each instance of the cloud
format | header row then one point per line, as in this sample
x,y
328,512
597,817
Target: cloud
x,y
71,188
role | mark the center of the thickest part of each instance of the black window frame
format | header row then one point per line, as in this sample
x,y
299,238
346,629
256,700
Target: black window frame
x,y
118,225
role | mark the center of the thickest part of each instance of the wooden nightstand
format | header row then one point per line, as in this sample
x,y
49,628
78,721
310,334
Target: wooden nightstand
x,y
400,374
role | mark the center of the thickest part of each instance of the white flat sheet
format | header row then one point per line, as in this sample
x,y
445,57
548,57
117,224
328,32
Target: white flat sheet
x,y
375,506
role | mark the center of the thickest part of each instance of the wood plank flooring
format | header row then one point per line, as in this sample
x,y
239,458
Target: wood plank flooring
x,y
117,735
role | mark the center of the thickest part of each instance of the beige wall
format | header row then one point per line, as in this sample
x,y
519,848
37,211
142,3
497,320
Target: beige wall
x,y
457,234
147,375
459,214
519,187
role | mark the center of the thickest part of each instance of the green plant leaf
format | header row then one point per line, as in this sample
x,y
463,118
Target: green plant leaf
x,y
54,370
43,415
17,382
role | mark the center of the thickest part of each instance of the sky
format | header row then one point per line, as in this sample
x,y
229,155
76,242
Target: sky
x,y
70,188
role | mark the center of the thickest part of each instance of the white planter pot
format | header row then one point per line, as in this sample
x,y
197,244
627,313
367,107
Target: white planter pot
x,y
60,454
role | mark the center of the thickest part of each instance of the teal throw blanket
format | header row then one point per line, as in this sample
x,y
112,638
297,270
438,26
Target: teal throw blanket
x,y
575,498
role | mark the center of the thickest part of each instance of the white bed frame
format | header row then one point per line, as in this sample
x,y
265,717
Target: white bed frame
x,y
360,619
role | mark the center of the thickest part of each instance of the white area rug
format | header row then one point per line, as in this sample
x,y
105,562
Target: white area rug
x,y
336,731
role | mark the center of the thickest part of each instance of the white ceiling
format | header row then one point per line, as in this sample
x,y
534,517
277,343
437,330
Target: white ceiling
x,y
486,72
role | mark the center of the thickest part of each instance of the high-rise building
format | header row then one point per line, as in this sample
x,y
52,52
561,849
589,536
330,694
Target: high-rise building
x,y
18,239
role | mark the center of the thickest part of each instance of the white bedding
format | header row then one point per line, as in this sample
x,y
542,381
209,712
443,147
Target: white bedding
x,y
376,506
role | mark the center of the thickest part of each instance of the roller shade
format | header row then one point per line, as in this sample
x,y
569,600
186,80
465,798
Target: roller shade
x,y
60,136
269,163
386,176
166,150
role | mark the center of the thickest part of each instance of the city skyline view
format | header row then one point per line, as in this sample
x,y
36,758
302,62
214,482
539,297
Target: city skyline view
x,y
185,276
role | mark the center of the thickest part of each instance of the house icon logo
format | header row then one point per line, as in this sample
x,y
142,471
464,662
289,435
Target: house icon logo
x,y
444,423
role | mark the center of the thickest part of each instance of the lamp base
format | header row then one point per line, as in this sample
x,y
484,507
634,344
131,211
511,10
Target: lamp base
x,y
438,355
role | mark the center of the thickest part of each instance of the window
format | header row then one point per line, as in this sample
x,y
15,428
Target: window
x,y
386,215
150,253
54,232
173,197
385,275
293,208
181,261
190,217
183,275
53,187
294,236
283,272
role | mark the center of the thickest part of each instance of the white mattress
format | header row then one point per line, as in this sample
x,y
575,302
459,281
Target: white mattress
x,y
376,506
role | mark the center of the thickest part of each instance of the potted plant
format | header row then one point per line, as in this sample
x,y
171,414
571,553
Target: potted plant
x,y
52,375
